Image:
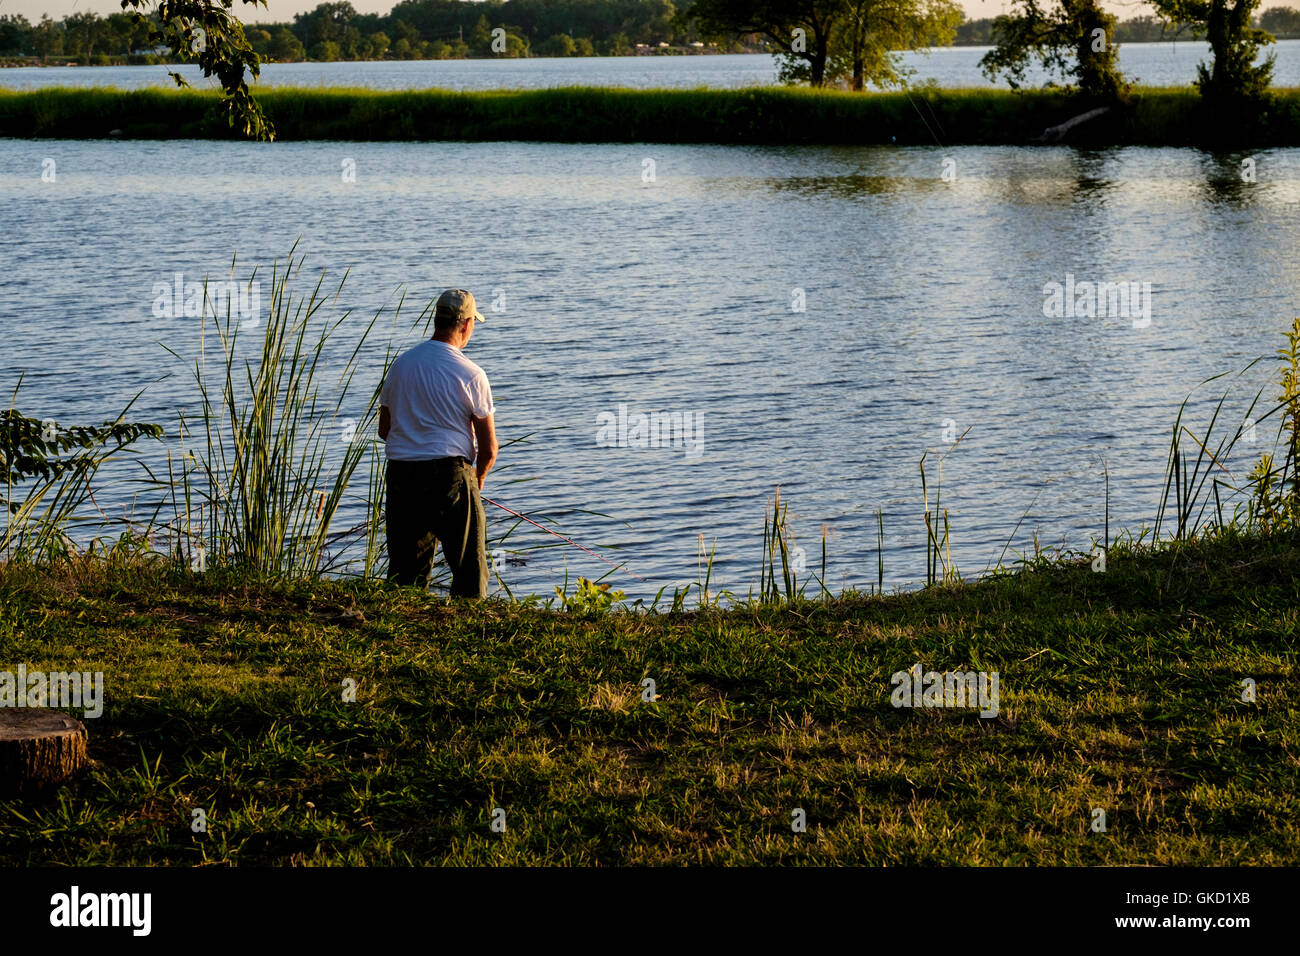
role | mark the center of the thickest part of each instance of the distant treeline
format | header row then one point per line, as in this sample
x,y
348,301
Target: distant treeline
x,y
1282,22
413,29
452,29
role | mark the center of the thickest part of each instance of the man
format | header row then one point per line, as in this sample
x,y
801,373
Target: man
x,y
435,409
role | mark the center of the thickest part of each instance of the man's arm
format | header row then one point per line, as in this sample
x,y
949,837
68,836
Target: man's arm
x,y
385,422
485,433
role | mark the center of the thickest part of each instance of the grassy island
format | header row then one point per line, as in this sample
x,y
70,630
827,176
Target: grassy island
x,y
771,115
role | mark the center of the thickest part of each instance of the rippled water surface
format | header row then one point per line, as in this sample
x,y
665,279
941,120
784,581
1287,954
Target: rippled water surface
x,y
923,311
1154,64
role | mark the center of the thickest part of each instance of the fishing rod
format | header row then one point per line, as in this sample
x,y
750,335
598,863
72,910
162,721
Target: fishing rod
x,y
616,567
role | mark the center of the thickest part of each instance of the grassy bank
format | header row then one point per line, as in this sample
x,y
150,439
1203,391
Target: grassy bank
x,y
1120,691
1156,117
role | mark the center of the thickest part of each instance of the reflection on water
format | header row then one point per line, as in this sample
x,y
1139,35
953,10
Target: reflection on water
x,y
848,186
1231,178
828,314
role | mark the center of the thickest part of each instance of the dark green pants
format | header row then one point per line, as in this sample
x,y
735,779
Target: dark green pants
x,y
432,501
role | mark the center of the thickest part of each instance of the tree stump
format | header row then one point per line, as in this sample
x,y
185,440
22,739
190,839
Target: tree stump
x,y
39,749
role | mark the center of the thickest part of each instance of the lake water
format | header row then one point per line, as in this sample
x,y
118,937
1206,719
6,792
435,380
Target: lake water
x,y
1155,64
923,316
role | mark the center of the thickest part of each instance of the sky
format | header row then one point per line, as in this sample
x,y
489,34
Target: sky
x,y
283,10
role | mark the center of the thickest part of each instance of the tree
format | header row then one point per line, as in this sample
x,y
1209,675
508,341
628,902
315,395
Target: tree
x,y
377,45
799,30
83,31
1234,43
206,31
351,43
560,44
259,40
516,46
864,47
327,51
618,45
1140,30
480,37
404,31
582,47
47,37
1074,37
1281,21
15,33
327,22
286,47
976,32
659,26
122,33
142,32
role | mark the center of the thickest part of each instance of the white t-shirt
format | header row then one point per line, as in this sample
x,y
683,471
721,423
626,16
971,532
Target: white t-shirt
x,y
431,393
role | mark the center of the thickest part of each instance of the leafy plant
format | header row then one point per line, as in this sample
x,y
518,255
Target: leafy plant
x,y
589,598
38,449
1275,504
61,460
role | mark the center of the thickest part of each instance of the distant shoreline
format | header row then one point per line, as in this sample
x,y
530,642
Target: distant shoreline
x,y
147,59
151,60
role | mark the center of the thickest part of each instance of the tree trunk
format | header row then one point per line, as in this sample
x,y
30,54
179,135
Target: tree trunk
x,y
859,55
1216,34
39,749
817,68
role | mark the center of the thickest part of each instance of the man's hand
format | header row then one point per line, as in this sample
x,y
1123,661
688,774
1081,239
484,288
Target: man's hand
x,y
385,422
485,434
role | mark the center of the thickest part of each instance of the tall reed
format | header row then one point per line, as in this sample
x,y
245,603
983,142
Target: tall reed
x,y
778,546
260,490
1186,475
938,549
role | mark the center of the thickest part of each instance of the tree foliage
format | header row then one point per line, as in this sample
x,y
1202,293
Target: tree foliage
x,y
1281,21
1234,42
1075,38
209,33
824,41
867,44
46,451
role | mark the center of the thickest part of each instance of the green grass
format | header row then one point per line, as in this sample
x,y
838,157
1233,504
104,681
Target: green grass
x,y
770,115
1119,691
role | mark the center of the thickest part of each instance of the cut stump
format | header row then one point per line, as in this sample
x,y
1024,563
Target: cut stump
x,y
39,749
